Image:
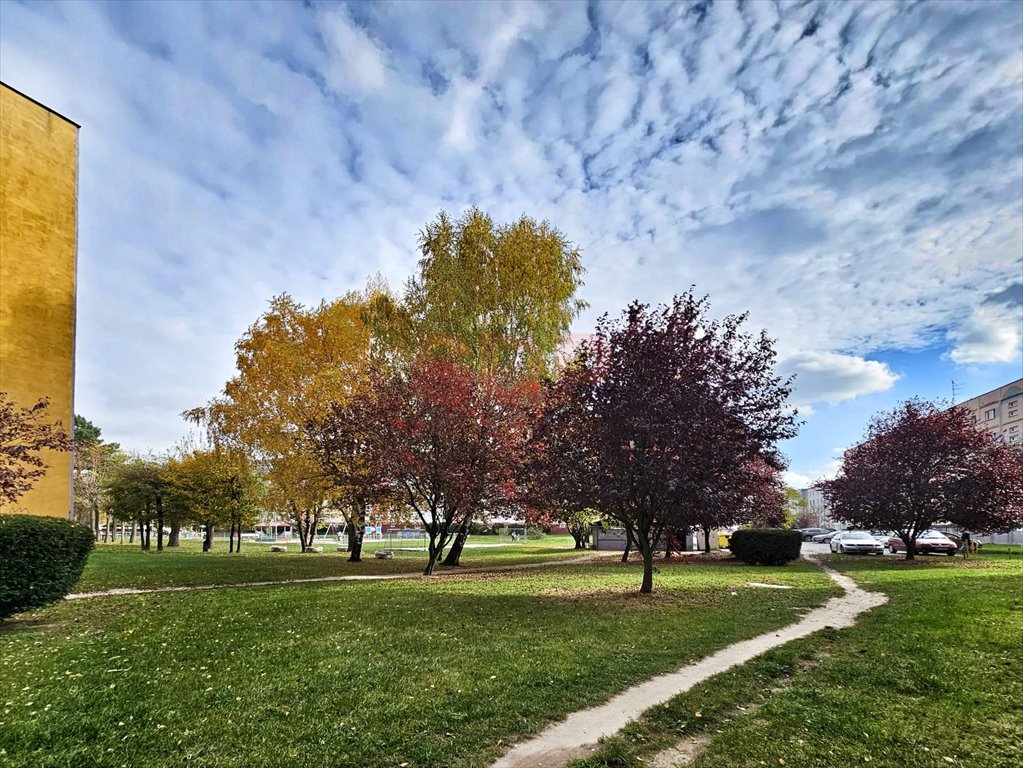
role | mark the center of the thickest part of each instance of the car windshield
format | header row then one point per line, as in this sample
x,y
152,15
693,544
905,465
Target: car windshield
x,y
932,535
857,535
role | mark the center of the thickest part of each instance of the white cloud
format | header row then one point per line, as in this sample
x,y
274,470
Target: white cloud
x,y
800,480
992,334
855,189
796,480
357,66
829,377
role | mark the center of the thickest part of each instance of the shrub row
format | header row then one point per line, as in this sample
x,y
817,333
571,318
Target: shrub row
x,y
41,558
766,546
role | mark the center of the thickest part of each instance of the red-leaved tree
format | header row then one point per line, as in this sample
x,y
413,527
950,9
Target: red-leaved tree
x,y
447,441
24,434
660,413
921,464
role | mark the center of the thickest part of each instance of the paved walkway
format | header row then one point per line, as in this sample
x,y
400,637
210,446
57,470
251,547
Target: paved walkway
x,y
376,577
577,735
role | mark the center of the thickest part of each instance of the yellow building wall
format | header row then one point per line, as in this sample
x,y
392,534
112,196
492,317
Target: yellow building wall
x,y
38,245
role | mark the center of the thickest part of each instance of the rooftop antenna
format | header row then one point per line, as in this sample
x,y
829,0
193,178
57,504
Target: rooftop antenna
x,y
955,391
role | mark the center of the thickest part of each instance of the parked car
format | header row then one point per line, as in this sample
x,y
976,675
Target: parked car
x,y
882,536
809,533
824,538
856,542
926,542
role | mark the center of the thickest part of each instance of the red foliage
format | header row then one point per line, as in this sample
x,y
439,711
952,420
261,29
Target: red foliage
x,y
660,419
920,465
449,442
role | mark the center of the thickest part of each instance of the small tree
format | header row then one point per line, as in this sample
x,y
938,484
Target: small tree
x,y
344,452
921,464
215,488
665,408
25,433
139,492
94,461
449,442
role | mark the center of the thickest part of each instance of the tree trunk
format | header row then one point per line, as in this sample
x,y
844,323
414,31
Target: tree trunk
x,y
207,541
148,533
455,553
438,539
230,539
95,520
668,542
159,524
300,524
355,537
174,537
629,541
311,528
910,549
647,551
706,539
238,544
579,535
350,525
432,554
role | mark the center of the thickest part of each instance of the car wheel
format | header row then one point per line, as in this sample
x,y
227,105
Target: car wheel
x,y
951,553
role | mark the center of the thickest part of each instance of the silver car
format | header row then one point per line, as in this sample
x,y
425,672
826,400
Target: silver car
x,y
856,542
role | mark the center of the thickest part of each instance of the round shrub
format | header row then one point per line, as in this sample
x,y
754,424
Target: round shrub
x,y
766,546
41,558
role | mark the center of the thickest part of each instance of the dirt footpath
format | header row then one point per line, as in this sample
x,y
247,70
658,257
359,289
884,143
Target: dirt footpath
x,y
577,735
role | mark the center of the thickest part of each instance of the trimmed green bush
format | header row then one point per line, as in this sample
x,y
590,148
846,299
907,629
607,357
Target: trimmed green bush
x,y
766,546
41,558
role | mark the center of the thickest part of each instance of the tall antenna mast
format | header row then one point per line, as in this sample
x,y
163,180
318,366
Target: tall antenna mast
x,y
955,391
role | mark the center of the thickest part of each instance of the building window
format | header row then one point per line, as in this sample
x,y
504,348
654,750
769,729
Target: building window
x,y
1013,403
1014,429
1013,413
1013,438
990,413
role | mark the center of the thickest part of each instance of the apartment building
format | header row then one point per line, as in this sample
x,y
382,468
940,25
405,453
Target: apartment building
x,y
1000,412
38,248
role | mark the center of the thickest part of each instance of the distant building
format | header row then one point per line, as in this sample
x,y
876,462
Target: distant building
x,y
818,506
1000,412
38,249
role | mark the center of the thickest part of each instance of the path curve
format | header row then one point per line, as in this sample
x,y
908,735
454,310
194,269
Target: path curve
x,y
118,592
577,735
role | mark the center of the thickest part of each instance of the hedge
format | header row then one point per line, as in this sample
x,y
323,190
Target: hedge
x,y
766,546
41,558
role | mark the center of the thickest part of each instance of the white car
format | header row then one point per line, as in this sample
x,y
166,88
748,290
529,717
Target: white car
x,y
856,542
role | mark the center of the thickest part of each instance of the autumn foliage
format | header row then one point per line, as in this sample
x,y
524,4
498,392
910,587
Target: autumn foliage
x,y
448,442
665,420
919,465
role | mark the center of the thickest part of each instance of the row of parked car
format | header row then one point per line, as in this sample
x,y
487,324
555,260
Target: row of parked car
x,y
874,542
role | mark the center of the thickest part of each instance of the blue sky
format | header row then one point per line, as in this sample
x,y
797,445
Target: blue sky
x,y
850,174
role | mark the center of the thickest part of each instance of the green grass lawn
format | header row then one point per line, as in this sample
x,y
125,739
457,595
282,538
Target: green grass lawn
x,y
441,672
933,678
1003,549
124,565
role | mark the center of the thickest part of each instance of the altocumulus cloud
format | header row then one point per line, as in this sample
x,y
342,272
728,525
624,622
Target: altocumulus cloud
x,y
849,173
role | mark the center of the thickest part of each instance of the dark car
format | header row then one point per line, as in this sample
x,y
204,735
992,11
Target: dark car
x,y
824,538
926,542
809,533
